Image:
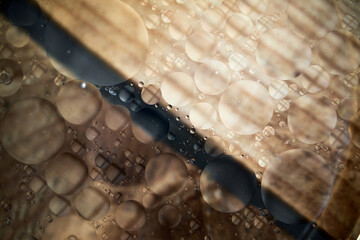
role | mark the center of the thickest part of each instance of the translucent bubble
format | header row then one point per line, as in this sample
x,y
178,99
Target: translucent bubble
x,y
11,77
312,19
339,52
200,46
76,104
91,203
253,8
238,62
117,118
178,89
278,89
238,25
339,138
315,79
203,115
151,94
179,28
65,173
282,53
73,225
130,215
150,200
226,186
354,129
32,131
246,107
59,206
311,119
347,108
311,180
17,37
214,146
166,174
152,21
212,20
169,216
212,77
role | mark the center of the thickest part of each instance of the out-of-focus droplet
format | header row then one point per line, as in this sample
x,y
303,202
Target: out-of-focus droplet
x,y
311,180
278,89
17,37
32,131
282,53
130,215
65,173
220,188
179,29
92,204
200,46
178,89
166,174
151,94
214,146
347,108
212,77
169,216
203,115
245,107
238,25
117,118
311,119
152,21
345,46
238,62
315,79
212,20
76,104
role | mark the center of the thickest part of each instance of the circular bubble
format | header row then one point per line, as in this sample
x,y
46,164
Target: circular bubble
x,y
203,115
117,118
339,52
91,203
300,179
214,146
78,102
354,129
213,20
347,108
11,77
200,46
282,53
312,19
166,174
32,131
226,185
169,216
65,173
315,79
238,62
246,107
278,89
179,29
212,77
151,94
128,35
70,226
253,8
178,89
311,119
150,200
238,25
59,206
130,215
149,124
17,37
152,21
